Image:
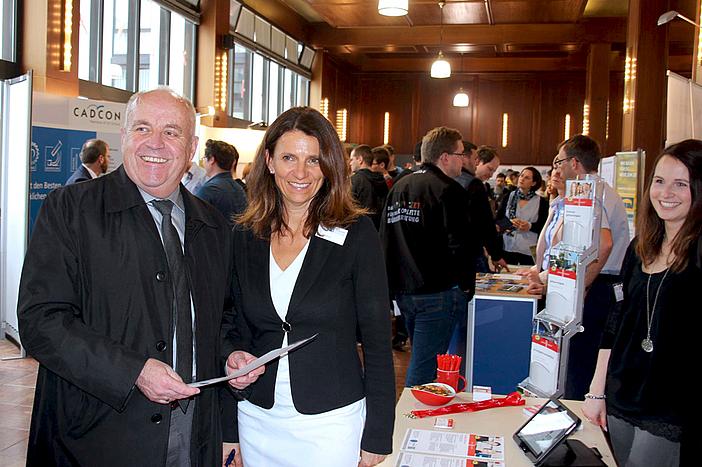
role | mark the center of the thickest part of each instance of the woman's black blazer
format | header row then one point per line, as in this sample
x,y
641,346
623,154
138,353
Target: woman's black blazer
x,y
340,289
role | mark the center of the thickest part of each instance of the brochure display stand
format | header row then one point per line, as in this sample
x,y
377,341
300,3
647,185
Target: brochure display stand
x,y
554,326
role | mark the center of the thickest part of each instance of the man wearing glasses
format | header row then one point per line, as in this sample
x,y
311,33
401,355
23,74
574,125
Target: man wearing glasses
x,y
479,204
430,250
580,155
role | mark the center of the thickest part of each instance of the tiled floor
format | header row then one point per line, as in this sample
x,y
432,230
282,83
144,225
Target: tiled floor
x,y
17,380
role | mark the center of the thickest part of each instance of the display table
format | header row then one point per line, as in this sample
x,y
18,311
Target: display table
x,y
502,421
498,334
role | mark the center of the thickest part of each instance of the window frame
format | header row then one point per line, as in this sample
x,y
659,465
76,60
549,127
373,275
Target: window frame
x,y
268,58
133,56
11,26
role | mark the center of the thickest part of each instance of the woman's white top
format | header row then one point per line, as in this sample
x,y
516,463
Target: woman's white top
x,y
282,436
519,241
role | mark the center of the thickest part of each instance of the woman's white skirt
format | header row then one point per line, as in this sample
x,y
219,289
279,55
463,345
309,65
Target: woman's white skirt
x,y
283,437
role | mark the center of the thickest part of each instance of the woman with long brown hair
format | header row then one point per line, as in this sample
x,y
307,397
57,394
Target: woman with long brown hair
x,y
307,262
641,368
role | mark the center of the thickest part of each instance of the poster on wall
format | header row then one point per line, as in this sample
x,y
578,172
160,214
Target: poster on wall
x,y
627,168
60,126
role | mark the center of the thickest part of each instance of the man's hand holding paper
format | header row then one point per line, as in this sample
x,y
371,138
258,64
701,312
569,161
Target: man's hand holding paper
x,y
161,384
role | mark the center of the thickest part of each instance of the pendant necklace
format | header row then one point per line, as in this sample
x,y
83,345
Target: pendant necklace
x,y
647,343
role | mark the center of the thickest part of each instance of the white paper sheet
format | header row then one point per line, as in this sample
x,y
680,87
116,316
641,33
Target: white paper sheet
x,y
272,355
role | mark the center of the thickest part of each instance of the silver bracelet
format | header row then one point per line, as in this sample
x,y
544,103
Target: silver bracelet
x,y
597,397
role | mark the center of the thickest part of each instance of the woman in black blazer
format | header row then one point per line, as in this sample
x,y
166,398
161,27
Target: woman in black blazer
x,y
308,261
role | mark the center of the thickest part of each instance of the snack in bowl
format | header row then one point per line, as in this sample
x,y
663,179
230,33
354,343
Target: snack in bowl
x,y
433,393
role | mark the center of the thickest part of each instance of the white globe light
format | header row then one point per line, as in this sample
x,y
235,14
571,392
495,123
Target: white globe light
x,y
393,7
460,99
440,68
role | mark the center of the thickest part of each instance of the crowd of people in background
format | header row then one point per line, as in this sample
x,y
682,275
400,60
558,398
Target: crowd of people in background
x,y
318,239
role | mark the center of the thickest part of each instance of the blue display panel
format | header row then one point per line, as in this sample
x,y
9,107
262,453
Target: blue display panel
x,y
501,342
55,155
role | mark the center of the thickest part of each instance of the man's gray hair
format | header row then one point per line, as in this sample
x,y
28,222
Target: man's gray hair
x,y
438,141
133,101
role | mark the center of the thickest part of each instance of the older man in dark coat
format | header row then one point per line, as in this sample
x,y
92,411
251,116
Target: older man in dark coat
x,y
99,302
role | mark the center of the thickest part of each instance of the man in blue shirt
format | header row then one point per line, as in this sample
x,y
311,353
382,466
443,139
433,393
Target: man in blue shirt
x,y
220,189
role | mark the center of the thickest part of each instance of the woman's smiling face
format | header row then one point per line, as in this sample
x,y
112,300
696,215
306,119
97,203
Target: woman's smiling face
x,y
670,190
296,168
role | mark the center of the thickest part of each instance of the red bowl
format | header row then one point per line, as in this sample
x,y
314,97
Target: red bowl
x,y
430,398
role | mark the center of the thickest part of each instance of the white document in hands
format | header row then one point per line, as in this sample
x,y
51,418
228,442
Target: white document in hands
x,y
262,360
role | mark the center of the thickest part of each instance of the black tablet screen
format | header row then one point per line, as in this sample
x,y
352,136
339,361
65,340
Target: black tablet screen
x,y
549,426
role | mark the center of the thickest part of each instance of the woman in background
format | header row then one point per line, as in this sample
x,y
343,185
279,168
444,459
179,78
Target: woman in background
x,y
307,262
550,235
521,218
636,392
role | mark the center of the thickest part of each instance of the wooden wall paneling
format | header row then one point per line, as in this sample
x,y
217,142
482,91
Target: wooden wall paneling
x,y
475,108
558,98
616,97
597,90
385,94
536,104
536,154
437,106
329,72
339,88
647,46
343,97
417,101
516,98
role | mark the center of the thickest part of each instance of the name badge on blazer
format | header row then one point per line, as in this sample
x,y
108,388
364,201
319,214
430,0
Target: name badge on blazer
x,y
336,235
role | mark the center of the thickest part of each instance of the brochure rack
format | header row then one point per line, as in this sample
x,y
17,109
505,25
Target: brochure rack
x,y
555,325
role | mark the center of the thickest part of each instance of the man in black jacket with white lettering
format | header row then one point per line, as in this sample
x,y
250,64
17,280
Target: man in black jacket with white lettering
x,y
429,250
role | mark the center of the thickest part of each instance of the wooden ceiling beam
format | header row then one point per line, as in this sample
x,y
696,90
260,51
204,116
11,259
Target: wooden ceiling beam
x,y
601,30
474,65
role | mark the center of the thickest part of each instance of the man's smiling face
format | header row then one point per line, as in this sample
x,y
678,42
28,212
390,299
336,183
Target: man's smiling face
x,y
157,142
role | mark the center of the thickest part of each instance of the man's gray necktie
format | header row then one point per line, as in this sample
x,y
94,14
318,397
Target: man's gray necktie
x,y
181,295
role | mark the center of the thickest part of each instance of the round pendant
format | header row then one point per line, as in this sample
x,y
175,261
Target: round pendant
x,y
647,345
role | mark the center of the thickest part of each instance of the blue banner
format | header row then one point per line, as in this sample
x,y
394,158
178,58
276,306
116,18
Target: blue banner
x,y
55,156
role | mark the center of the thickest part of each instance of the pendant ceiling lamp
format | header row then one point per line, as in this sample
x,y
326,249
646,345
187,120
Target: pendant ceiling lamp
x,y
441,68
393,7
461,98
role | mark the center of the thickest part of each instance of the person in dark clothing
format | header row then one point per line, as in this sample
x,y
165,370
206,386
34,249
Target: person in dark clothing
x,y
401,334
429,250
95,159
368,186
500,191
220,189
650,329
381,160
479,206
124,288
392,170
480,213
469,162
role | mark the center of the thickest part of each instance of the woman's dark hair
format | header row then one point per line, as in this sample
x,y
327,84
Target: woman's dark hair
x,y
332,206
535,178
651,229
